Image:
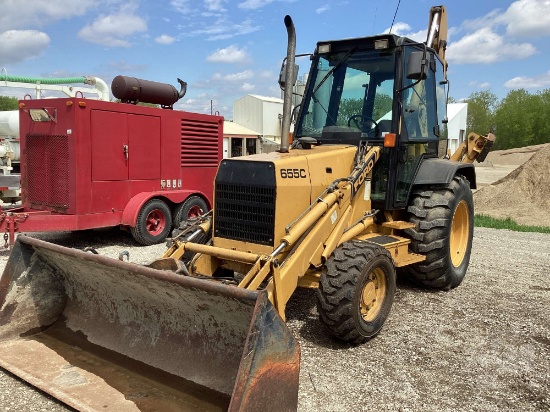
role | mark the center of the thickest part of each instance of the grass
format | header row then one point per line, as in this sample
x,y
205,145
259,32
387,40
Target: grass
x,y
486,221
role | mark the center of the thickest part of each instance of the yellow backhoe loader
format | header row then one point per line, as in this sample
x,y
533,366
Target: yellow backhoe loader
x,y
364,189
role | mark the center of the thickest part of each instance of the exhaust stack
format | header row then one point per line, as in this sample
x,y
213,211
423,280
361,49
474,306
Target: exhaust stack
x,y
289,83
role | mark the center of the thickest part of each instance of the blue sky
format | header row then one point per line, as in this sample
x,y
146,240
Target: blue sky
x,y
225,49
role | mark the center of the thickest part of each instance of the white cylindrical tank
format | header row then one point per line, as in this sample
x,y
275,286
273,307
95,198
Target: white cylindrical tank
x,y
9,123
11,149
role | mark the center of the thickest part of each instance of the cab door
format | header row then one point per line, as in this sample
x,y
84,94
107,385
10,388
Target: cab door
x,y
420,131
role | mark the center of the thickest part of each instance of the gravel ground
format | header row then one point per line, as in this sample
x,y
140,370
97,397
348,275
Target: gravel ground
x,y
484,346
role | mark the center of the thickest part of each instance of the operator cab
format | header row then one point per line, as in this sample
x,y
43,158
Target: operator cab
x,y
362,89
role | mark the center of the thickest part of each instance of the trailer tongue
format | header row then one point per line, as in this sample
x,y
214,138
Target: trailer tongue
x,y
102,334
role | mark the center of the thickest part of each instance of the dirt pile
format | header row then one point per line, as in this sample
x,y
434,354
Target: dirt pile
x,y
523,195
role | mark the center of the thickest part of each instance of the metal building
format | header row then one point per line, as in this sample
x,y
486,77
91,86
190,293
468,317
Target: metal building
x,y
261,114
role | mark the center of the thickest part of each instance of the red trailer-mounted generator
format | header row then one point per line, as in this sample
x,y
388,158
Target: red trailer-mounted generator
x,y
89,164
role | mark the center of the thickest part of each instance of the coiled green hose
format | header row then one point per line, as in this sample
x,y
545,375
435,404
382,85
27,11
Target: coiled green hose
x,y
61,80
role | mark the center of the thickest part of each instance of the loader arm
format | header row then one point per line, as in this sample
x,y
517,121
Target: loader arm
x,y
308,242
476,147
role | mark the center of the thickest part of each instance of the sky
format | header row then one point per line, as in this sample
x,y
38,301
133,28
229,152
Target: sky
x,y
226,49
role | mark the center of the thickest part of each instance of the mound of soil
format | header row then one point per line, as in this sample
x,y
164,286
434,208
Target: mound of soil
x,y
523,195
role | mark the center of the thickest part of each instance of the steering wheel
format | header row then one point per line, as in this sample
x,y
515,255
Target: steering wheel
x,y
367,124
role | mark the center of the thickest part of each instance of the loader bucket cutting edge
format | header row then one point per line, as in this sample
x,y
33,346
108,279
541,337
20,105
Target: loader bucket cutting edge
x,y
102,334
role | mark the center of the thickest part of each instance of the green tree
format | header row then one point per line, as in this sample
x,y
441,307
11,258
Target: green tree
x,y
542,118
8,103
351,107
515,118
348,108
481,112
382,105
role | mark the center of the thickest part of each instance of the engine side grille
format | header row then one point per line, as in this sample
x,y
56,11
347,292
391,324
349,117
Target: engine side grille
x,y
245,202
47,171
199,143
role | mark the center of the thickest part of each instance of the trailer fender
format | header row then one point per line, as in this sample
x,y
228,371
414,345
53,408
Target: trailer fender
x,y
441,171
130,213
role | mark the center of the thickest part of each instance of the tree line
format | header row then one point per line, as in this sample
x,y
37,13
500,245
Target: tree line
x,y
519,119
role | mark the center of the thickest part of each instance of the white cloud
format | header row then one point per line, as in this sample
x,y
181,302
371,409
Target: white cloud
x,y
530,18
215,5
322,9
485,47
223,29
527,18
113,30
247,87
522,82
123,66
165,39
231,54
477,85
18,14
181,5
403,29
235,77
19,45
254,4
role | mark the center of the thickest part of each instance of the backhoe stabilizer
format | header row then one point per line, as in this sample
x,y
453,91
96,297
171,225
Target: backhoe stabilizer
x,y
102,334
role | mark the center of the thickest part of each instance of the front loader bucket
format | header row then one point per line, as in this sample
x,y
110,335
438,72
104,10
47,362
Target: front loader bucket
x,y
102,334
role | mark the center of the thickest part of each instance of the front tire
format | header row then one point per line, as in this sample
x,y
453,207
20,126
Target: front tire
x,y
356,291
444,219
153,223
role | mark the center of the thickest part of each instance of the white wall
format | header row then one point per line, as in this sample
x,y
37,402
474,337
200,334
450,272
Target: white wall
x,y
457,113
260,114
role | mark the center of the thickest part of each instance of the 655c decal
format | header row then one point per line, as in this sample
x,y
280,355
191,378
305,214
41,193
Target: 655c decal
x,y
293,173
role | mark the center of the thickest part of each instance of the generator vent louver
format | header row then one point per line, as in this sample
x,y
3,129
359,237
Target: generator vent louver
x,y
199,143
47,171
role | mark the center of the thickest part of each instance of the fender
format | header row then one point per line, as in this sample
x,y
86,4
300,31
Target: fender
x,y
129,215
441,171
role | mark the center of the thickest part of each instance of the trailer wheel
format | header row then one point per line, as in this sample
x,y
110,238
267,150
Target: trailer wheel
x,y
190,209
444,219
356,291
153,223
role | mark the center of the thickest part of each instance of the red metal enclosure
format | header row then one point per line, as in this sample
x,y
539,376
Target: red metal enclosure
x,y
89,164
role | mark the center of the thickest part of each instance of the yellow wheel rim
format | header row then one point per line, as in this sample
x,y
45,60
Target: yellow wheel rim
x,y
460,231
373,295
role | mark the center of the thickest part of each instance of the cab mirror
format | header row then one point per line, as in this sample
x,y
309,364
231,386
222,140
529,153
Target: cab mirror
x,y
282,75
417,66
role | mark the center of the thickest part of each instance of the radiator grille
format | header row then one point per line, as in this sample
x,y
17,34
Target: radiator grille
x,y
47,171
199,143
244,206
245,213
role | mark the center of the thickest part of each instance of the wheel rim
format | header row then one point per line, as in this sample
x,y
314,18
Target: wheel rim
x,y
373,294
194,212
460,229
155,222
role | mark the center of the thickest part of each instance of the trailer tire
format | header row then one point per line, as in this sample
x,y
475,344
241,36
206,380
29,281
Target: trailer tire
x,y
444,218
356,291
192,208
153,223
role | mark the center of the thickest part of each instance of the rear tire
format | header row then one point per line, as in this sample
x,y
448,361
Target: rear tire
x,y
444,219
192,208
356,291
153,223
